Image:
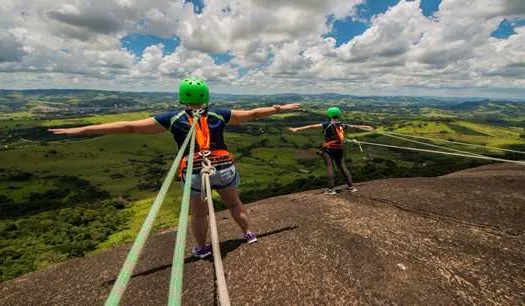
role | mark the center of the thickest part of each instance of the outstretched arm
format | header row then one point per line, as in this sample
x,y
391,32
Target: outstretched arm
x,y
307,127
145,126
240,116
361,127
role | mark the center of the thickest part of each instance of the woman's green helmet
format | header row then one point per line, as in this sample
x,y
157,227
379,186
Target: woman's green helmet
x,y
193,91
334,112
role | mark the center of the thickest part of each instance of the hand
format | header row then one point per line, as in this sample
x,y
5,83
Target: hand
x,y
294,130
71,131
291,106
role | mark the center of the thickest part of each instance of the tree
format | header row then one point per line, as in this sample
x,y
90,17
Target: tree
x,y
6,204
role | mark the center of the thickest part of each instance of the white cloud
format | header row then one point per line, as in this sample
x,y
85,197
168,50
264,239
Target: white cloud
x,y
391,35
252,27
184,62
279,44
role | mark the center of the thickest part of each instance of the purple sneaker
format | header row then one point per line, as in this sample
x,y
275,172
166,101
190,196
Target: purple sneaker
x,y
202,252
250,237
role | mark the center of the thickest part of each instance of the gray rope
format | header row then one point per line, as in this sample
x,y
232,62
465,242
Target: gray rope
x,y
207,171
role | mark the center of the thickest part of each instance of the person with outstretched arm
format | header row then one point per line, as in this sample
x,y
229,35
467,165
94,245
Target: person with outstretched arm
x,y
333,146
194,96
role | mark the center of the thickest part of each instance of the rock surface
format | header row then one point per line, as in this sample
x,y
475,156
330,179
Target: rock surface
x,y
455,239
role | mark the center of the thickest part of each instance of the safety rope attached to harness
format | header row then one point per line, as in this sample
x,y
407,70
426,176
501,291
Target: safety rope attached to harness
x,y
131,260
222,290
177,268
202,137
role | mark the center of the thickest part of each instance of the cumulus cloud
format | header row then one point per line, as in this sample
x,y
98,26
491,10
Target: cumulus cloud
x,y
184,62
11,50
515,7
391,35
248,27
276,45
105,23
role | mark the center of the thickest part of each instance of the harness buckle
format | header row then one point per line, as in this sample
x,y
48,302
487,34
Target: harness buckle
x,y
204,153
200,111
207,170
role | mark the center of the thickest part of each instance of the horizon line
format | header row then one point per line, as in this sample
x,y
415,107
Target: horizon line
x,y
276,94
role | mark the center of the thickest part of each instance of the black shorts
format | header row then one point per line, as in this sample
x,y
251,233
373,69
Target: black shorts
x,y
333,153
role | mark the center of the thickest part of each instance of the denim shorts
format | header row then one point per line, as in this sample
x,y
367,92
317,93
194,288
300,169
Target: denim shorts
x,y
222,179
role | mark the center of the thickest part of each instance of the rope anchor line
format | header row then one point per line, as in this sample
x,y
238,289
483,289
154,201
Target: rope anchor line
x,y
176,279
177,268
454,152
131,260
207,171
453,142
440,152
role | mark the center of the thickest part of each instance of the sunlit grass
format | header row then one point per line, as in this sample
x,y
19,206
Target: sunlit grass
x,y
97,119
167,217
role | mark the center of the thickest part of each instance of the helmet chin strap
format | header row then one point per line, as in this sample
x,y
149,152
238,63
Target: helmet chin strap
x,y
197,109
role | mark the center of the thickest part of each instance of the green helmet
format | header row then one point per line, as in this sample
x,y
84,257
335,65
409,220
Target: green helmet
x,y
193,91
334,112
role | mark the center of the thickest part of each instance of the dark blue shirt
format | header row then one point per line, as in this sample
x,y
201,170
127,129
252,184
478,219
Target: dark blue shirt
x,y
178,124
329,130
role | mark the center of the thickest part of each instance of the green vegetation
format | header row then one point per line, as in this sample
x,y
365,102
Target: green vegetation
x,y
461,130
98,119
63,197
135,215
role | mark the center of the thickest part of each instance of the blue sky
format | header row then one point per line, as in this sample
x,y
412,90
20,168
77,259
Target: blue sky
x,y
137,42
506,28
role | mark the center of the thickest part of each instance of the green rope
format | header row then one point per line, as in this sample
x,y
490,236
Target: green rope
x,y
177,268
136,249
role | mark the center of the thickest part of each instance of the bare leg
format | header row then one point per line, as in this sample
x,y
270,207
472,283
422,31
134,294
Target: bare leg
x,y
230,197
199,220
329,169
339,162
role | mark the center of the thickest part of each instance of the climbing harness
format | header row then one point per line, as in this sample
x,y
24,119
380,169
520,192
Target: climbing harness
x,y
219,158
176,279
339,132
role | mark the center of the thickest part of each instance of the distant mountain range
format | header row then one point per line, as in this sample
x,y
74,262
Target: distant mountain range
x,y
287,97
